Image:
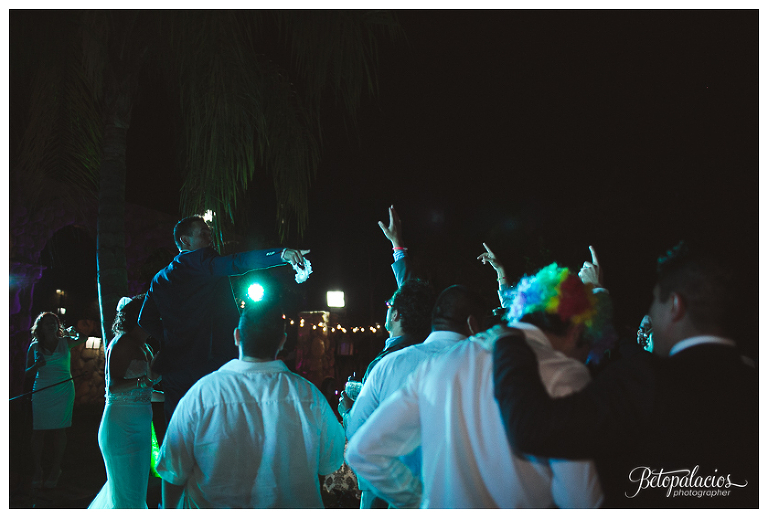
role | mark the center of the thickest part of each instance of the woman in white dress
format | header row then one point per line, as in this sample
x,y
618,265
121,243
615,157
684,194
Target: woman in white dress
x,y
125,433
48,359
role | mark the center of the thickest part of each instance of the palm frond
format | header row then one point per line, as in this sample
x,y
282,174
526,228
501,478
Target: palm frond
x,y
245,111
58,146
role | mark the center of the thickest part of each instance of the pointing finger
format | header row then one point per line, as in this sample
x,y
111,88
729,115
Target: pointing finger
x,y
489,250
594,256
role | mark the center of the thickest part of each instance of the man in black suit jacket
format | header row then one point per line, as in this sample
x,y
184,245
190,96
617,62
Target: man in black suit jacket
x,y
678,428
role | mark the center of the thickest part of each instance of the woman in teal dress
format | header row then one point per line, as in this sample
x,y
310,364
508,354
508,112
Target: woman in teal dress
x,y
48,358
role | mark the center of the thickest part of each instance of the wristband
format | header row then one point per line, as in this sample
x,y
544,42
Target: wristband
x,y
399,248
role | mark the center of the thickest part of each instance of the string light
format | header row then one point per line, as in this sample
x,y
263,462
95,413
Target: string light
x,y
323,326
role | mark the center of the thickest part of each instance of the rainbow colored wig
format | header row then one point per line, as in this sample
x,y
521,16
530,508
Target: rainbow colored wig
x,y
558,291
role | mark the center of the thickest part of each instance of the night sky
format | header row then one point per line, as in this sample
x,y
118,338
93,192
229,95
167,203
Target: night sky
x,y
539,133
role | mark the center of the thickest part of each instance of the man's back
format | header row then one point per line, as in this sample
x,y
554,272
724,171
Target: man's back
x,y
391,373
190,306
448,408
252,435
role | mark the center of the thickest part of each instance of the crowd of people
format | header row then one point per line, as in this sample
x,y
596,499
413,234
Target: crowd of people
x,y
465,407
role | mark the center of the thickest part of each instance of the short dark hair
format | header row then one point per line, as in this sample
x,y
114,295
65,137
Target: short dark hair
x,y
703,278
549,322
413,301
184,228
454,305
262,328
128,317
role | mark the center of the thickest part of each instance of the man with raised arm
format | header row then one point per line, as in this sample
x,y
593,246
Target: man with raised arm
x,y
488,257
190,307
457,314
676,428
407,322
410,306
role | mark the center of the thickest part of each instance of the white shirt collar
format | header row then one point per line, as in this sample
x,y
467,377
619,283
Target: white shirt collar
x,y
444,335
238,365
698,340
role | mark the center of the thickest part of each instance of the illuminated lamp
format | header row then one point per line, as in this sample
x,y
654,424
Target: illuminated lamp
x,y
335,299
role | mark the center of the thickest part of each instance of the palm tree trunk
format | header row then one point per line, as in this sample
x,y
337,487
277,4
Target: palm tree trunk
x,y
112,274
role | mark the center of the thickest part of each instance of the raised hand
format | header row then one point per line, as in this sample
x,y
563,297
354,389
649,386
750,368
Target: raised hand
x,y
488,257
591,273
294,257
392,232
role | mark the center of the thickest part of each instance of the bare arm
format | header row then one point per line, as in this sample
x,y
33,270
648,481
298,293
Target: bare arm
x,y
488,257
74,342
32,366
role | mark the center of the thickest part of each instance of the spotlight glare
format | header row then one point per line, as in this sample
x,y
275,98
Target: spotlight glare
x,y
256,292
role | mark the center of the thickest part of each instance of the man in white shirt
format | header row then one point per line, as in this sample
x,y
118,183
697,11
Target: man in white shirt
x,y
448,409
456,315
252,434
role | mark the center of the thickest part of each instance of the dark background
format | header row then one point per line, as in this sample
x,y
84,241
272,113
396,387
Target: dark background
x,y
537,132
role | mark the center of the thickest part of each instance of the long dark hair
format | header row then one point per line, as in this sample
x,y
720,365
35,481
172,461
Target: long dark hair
x,y
128,316
40,317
